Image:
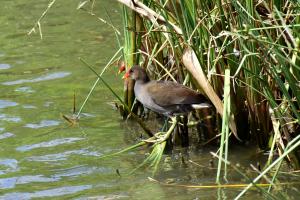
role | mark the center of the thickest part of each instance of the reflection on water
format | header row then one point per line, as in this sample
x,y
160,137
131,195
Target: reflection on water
x,y
42,124
8,165
63,155
81,171
106,197
9,118
6,183
52,76
51,143
6,103
43,156
28,106
11,182
4,66
6,135
46,193
25,89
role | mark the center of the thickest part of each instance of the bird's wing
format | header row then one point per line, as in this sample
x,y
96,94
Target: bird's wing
x,y
166,93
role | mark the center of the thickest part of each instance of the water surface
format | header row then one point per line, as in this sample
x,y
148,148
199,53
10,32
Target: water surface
x,y
41,155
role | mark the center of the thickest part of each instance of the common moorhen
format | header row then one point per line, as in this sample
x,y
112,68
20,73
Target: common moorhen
x,y
164,97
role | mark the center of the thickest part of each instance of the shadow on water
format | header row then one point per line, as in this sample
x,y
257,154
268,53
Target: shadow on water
x,y
40,154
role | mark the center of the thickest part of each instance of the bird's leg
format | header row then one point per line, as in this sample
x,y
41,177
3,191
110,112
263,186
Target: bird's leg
x,y
184,132
145,113
175,138
165,126
180,136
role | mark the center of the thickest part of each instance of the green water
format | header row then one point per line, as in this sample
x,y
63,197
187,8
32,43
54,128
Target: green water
x,y
41,155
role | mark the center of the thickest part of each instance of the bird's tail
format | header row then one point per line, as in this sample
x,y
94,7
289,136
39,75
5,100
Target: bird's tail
x,y
201,106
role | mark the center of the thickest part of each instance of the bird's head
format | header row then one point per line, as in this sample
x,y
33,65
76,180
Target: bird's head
x,y
137,73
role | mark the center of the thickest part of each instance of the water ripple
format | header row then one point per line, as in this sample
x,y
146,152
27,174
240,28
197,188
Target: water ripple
x,y
7,118
42,124
6,135
63,155
81,170
51,143
29,106
4,66
55,192
46,77
6,183
11,165
11,182
105,197
6,103
25,89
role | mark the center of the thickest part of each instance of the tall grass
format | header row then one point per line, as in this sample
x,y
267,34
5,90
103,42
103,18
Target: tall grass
x,y
195,42
243,55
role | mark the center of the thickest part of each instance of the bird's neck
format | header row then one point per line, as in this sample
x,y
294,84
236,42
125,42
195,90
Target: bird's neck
x,y
143,79
141,82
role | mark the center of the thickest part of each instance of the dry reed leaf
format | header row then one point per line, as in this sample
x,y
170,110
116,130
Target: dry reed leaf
x,y
191,62
148,13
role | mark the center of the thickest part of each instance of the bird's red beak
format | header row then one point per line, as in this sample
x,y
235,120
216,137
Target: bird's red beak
x,y
121,69
126,75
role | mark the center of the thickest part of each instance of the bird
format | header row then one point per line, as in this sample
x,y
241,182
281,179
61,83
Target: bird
x,y
164,97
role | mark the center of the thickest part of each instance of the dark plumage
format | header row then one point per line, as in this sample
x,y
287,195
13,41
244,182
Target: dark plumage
x,y
164,97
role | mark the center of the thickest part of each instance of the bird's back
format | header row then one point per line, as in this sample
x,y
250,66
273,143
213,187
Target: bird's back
x,y
167,93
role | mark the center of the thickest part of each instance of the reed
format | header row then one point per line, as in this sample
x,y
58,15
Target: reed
x,y
256,42
243,55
